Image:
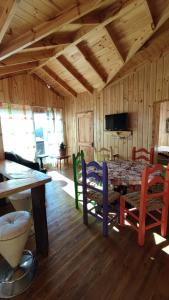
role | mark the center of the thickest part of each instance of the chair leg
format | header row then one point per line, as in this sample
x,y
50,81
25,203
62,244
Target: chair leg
x,y
164,219
105,220
141,231
85,213
122,210
76,198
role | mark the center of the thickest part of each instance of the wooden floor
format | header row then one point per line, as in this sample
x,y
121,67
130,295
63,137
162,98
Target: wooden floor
x,y
84,265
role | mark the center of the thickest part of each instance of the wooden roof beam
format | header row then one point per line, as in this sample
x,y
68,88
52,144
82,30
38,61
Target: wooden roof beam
x,y
17,68
40,31
113,41
90,19
7,11
75,73
20,58
59,81
59,39
107,18
94,64
147,7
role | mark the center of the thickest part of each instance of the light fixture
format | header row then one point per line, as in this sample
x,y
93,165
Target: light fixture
x,y
48,86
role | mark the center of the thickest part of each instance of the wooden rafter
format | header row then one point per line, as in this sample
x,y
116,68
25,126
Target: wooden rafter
x,y
17,68
7,11
59,39
75,73
94,64
115,46
40,31
59,81
25,57
106,17
149,14
147,33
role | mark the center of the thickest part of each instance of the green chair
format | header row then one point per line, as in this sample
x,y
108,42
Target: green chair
x,y
77,173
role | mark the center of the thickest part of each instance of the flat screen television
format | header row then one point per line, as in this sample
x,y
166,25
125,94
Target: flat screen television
x,y
116,122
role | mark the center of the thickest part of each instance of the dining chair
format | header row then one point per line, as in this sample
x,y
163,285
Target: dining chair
x,y
105,154
143,154
98,200
149,207
77,174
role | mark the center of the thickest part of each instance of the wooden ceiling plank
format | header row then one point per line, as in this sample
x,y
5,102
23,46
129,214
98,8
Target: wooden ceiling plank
x,y
8,8
149,32
40,31
89,57
149,14
75,73
59,81
113,41
17,68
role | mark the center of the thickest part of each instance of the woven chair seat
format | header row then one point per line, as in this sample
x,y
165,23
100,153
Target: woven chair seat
x,y
98,197
152,204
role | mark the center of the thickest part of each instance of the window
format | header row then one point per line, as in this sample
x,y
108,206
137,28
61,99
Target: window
x,y
30,133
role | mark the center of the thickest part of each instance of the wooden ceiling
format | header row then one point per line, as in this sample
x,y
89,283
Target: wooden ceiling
x,y
79,45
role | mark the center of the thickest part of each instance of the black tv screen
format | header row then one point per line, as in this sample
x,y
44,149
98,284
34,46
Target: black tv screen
x,y
116,122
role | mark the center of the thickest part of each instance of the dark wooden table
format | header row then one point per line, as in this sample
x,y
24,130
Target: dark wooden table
x,y
60,158
22,178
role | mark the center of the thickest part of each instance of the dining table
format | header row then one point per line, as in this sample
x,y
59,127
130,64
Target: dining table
x,y
126,172
20,178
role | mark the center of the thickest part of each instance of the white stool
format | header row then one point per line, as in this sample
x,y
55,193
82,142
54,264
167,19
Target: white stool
x,y
17,274
22,200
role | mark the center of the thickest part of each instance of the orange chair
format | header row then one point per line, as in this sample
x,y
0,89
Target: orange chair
x,y
144,154
150,204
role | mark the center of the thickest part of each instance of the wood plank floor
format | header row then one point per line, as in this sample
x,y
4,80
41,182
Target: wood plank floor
x,y
83,265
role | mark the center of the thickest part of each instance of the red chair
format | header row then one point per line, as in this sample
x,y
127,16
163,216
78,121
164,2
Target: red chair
x,y
150,204
144,154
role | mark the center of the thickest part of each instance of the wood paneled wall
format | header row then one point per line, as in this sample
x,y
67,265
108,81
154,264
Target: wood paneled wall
x,y
135,94
27,89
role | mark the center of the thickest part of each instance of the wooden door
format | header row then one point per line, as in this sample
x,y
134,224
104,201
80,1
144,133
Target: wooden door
x,y
85,134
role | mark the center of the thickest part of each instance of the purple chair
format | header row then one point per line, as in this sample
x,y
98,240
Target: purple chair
x,y
97,198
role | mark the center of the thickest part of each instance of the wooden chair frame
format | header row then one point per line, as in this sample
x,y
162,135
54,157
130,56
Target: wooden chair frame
x,y
77,162
144,154
107,154
147,184
95,181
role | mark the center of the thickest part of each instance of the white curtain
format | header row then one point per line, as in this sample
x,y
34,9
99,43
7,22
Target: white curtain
x,y
18,129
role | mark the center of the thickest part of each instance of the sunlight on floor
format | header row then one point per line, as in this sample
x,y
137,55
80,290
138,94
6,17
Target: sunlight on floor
x,y
69,187
158,238
166,249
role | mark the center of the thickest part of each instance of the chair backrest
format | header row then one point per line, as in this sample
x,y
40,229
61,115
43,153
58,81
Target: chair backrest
x,y
77,165
95,177
155,185
104,154
143,154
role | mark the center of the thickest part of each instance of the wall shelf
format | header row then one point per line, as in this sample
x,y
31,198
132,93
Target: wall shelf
x,y
119,134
